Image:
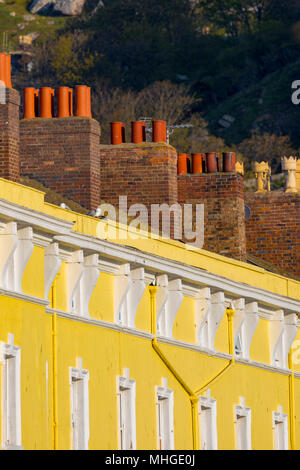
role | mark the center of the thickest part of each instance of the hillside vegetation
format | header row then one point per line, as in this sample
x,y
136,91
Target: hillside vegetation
x,y
226,66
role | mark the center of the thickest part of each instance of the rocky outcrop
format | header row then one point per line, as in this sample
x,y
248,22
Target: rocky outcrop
x,y
63,7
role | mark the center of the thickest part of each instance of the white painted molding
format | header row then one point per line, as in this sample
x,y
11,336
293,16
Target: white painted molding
x,y
241,411
183,271
205,403
164,393
8,245
238,320
101,324
36,219
109,267
74,270
40,240
279,418
52,265
193,347
22,255
25,297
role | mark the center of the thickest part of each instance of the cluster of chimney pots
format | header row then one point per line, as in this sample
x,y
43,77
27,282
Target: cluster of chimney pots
x,y
41,103
210,162
196,163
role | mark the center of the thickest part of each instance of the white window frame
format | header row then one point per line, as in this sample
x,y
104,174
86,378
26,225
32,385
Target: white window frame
x,y
126,427
11,399
79,424
164,399
280,419
208,410
243,412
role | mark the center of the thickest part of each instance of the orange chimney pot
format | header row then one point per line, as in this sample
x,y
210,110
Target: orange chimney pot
x,y
197,163
64,102
46,102
138,132
30,101
159,131
182,163
117,133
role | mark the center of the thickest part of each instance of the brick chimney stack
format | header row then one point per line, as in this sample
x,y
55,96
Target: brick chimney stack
x,y
9,123
59,149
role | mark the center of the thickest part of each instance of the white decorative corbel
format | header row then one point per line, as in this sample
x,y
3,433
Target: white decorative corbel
x,y
74,269
290,333
88,281
122,285
161,300
135,294
238,323
249,326
52,265
8,245
129,289
202,310
171,307
276,338
217,311
22,255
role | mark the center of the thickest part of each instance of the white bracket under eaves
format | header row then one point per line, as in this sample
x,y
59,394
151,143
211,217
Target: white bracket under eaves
x,y
283,330
52,265
74,272
202,311
22,254
88,282
8,245
217,311
129,289
169,300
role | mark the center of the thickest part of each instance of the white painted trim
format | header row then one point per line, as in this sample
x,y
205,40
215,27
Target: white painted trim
x,y
193,347
12,211
125,383
79,374
242,411
25,297
9,350
100,323
280,417
183,271
211,403
40,240
168,394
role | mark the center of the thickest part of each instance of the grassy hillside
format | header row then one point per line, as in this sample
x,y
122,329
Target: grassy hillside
x,y
265,106
16,20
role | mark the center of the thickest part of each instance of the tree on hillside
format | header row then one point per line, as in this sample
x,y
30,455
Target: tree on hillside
x,y
142,42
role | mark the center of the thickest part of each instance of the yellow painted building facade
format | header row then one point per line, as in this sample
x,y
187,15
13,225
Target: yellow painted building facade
x,y
131,342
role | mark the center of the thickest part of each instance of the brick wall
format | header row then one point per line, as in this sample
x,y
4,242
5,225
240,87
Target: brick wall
x,y
63,154
9,134
273,229
224,222
146,173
